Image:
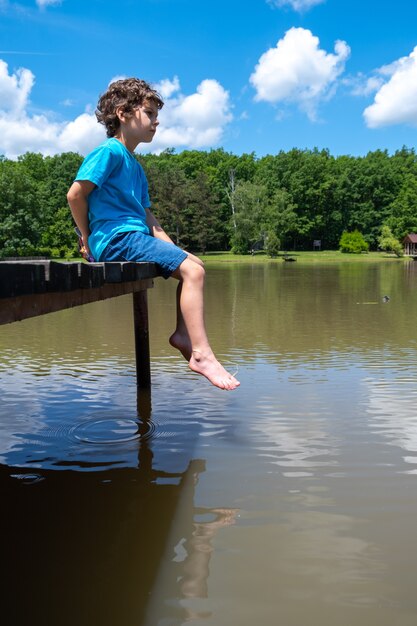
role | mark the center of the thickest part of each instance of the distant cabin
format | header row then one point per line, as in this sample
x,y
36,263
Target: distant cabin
x,y
410,244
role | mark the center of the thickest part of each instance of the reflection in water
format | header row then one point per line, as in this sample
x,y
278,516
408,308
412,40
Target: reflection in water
x,y
295,442
309,561
181,589
198,550
304,508
84,547
392,409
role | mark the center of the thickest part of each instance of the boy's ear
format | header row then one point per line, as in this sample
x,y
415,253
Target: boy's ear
x,y
122,114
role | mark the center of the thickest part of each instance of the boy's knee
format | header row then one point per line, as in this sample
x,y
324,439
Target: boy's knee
x,y
193,271
198,272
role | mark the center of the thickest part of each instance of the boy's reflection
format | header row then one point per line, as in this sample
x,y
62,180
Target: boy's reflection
x,y
182,580
195,566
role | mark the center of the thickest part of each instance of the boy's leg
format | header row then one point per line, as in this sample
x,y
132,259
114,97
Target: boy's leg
x,y
190,335
194,340
180,339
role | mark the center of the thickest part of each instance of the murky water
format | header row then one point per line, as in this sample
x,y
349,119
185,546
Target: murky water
x,y
291,501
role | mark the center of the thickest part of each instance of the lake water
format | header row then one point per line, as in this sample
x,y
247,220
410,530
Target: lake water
x,y
291,501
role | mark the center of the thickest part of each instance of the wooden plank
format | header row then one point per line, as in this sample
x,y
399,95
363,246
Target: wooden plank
x,y
55,276
128,272
146,270
22,307
113,272
63,276
17,279
90,275
20,278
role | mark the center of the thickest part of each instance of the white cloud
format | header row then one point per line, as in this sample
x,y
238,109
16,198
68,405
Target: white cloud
x,y
396,100
39,134
297,5
47,3
168,87
298,71
116,78
21,132
15,89
80,135
194,121
362,85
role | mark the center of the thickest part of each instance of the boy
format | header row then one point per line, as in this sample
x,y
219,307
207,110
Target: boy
x,y
110,204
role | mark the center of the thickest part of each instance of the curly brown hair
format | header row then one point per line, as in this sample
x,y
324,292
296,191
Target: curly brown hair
x,y
128,94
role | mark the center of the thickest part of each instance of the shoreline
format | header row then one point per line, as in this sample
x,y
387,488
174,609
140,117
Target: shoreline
x,y
325,256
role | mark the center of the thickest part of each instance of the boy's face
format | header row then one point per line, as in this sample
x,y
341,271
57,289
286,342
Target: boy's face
x,y
141,126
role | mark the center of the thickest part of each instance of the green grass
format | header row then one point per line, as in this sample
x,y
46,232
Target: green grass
x,y
324,256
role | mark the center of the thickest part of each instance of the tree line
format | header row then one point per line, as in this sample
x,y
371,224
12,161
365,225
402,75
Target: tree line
x,y
215,200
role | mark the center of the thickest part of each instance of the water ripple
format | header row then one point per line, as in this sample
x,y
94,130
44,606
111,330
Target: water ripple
x,y
111,430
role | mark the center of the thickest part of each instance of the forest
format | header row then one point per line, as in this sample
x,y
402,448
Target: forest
x,y
215,200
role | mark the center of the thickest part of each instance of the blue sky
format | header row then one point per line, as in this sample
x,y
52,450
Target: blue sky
x,y
256,76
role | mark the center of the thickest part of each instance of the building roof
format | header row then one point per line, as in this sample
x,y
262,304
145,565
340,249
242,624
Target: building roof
x,y
411,238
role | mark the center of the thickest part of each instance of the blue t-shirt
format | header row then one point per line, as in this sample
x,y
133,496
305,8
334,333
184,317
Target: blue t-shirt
x,y
118,202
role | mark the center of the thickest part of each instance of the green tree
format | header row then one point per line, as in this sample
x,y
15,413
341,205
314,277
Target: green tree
x,y
403,218
299,195
170,193
353,243
389,243
375,185
19,211
272,244
57,223
281,218
204,211
250,207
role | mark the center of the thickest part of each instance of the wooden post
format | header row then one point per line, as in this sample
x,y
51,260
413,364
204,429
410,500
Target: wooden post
x,y
143,364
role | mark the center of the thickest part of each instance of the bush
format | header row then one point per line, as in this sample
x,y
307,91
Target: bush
x,y
273,244
353,243
389,243
240,245
64,252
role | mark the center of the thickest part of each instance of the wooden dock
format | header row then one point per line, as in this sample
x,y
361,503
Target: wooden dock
x,y
32,288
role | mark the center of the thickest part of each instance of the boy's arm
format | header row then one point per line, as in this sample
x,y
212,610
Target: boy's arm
x,y
155,227
77,197
158,232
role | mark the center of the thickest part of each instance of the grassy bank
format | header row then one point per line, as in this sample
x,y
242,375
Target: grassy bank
x,y
325,256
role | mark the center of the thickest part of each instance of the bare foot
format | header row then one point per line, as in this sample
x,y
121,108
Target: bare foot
x,y
181,343
207,365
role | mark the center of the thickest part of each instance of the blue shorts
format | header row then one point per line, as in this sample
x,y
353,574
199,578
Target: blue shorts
x,y
136,246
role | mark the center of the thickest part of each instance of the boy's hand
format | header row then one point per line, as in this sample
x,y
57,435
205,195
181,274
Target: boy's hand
x,y
85,250
194,258
83,247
